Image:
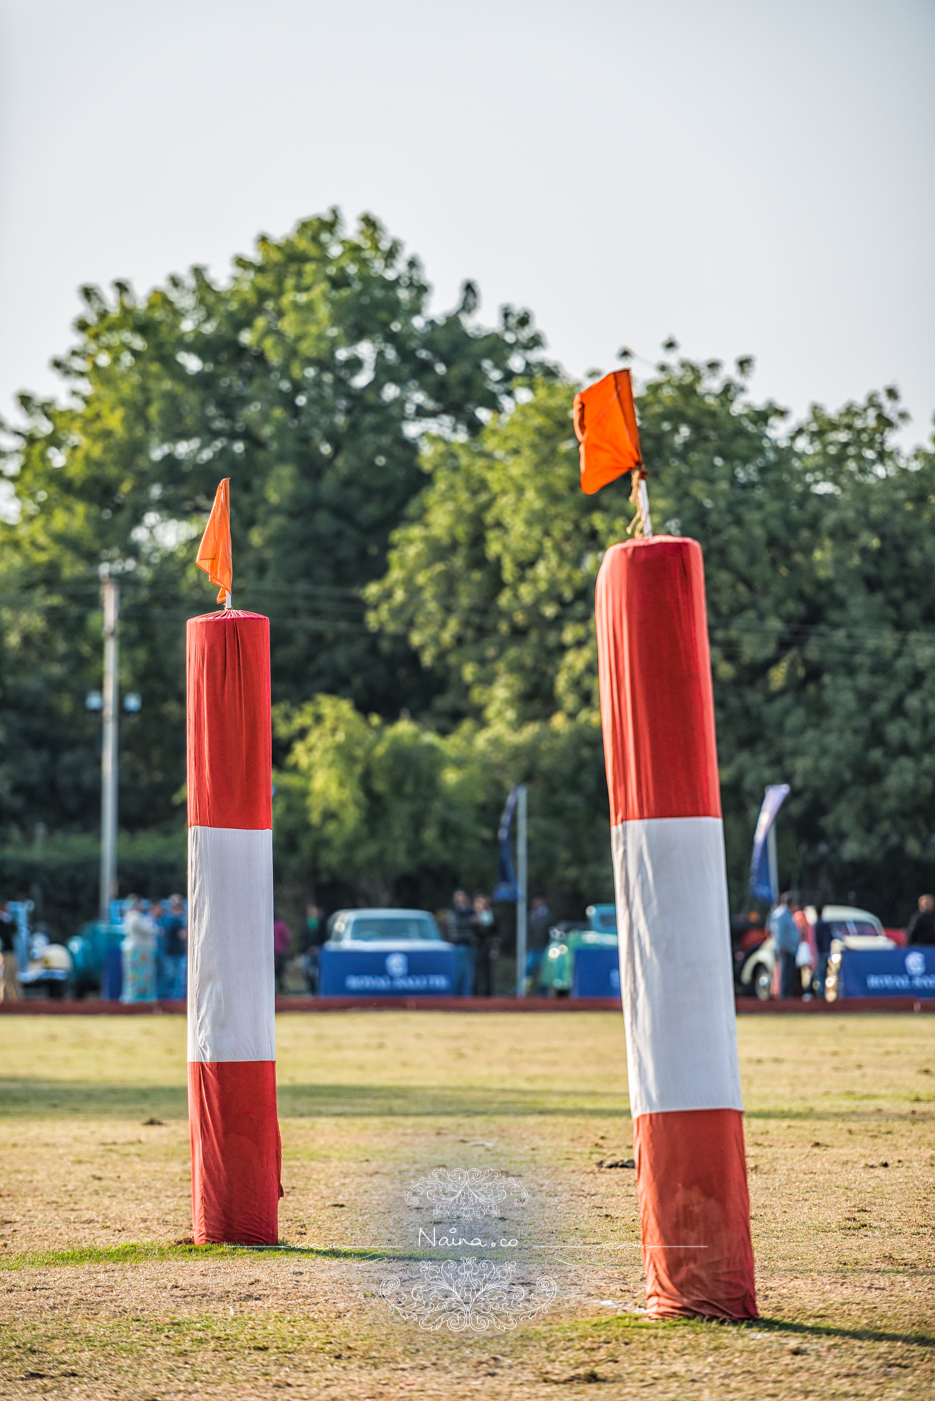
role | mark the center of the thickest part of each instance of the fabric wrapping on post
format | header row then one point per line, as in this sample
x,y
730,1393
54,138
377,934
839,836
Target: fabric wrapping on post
x,y
236,1158
236,1155
657,712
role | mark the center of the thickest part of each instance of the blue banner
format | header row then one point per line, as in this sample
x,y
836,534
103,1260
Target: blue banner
x,y
506,887
596,973
888,972
761,886
425,972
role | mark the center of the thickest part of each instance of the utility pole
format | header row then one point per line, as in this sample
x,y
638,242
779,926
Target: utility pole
x,y
111,729
521,891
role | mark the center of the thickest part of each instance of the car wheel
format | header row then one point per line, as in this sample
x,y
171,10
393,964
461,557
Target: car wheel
x,y
762,981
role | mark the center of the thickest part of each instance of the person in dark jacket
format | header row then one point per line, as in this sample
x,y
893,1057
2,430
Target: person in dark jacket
x,y
823,952
282,943
487,945
461,926
922,925
174,928
315,935
537,939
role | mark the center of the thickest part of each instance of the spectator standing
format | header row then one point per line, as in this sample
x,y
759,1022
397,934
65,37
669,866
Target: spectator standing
x,y
314,938
139,954
488,947
822,953
9,982
922,925
175,950
804,954
282,943
785,934
461,934
157,914
537,936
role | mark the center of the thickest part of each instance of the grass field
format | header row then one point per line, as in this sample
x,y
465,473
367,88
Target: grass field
x,y
98,1300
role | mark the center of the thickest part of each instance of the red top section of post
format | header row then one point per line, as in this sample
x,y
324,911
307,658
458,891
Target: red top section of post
x,y
230,766
657,703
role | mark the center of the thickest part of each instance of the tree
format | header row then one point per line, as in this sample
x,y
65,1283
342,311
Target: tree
x,y
386,812
820,562
491,577
406,510
308,379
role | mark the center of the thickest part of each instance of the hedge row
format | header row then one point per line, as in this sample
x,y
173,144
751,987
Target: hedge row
x,y
62,875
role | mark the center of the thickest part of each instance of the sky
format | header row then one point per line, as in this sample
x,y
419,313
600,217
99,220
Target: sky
x,y
752,178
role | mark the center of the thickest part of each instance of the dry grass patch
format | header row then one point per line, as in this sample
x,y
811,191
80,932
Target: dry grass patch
x,y
95,1300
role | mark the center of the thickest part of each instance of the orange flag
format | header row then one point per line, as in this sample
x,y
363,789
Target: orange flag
x,y
214,552
605,424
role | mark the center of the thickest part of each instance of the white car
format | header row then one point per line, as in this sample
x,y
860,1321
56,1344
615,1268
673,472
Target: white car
x,y
385,953
851,928
855,929
378,929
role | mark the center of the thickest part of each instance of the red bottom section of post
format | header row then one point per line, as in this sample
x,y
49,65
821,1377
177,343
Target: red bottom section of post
x,y
691,1174
236,1152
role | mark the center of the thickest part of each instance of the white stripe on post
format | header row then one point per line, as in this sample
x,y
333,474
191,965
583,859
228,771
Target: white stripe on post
x,y
231,1005
675,973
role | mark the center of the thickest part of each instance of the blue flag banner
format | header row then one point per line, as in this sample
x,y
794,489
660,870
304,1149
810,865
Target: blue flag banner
x,y
760,884
506,887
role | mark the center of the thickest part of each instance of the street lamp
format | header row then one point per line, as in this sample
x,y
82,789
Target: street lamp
x,y
94,702
110,720
133,702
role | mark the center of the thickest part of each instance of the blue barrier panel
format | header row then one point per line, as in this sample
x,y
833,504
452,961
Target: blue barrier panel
x,y
427,972
888,972
112,975
596,973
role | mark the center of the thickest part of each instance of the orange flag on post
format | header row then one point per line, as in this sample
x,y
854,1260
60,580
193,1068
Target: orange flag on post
x,y
214,552
605,425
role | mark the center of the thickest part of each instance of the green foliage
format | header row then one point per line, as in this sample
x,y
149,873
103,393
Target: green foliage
x,y
405,509
382,802
62,874
492,576
308,379
820,568
395,812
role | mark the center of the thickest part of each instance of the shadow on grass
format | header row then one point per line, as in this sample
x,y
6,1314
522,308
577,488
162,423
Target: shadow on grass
x,y
847,1112
766,1325
130,1254
825,1330
26,1098
80,1098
